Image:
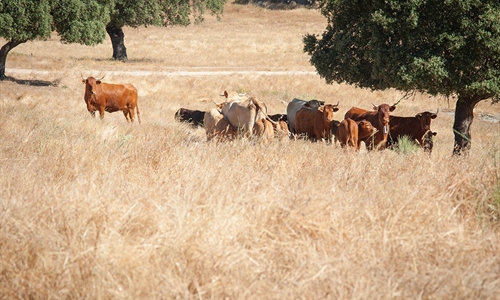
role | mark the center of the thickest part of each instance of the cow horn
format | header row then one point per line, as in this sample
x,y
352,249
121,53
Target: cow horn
x,y
374,105
338,102
83,77
437,111
101,78
397,102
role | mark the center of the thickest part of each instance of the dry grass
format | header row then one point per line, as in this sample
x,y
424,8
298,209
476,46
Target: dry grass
x,y
106,210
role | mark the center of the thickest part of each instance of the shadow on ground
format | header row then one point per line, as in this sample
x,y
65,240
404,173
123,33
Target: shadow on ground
x,y
32,82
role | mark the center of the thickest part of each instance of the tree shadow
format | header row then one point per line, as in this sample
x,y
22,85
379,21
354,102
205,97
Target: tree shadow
x,y
33,82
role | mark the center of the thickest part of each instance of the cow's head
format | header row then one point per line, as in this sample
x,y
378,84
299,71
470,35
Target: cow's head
x,y
425,119
328,110
91,84
383,112
314,103
366,129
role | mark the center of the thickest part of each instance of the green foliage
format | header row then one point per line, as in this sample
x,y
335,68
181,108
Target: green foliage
x,y
438,47
161,13
25,20
406,145
81,22
84,21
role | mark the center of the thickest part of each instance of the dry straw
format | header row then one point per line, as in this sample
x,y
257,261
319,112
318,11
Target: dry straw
x,y
95,209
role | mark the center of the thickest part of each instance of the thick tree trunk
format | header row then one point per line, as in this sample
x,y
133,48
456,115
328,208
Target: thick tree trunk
x,y
117,40
463,120
3,55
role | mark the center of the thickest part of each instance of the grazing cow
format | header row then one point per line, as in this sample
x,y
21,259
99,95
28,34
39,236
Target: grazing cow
x,y
316,124
217,127
413,127
295,105
379,118
193,117
351,133
101,96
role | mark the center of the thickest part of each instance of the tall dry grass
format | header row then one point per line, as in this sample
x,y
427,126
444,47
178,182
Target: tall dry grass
x,y
95,209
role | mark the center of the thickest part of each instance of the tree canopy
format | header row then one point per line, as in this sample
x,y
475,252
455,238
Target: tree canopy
x,y
446,47
87,21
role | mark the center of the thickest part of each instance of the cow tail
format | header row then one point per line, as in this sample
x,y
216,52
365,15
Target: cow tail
x,y
263,107
138,114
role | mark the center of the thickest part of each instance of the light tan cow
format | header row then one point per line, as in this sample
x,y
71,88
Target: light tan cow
x,y
217,127
242,114
264,130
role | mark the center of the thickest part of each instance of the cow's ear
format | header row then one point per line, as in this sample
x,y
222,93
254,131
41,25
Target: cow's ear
x,y
335,109
433,116
83,81
226,94
321,108
434,133
375,107
98,82
418,116
392,108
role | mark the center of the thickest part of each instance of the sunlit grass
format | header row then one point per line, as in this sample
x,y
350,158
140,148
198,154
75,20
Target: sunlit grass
x,y
102,209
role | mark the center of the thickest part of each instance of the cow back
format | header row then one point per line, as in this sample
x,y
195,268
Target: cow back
x,y
295,105
348,133
240,114
117,96
216,126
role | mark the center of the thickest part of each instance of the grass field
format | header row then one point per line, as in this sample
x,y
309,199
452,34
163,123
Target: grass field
x,y
93,209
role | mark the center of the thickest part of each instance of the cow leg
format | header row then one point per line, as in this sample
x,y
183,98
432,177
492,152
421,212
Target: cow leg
x,y
131,114
126,113
92,113
101,112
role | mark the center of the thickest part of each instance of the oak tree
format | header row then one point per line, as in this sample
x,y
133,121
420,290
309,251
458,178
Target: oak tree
x,y
442,47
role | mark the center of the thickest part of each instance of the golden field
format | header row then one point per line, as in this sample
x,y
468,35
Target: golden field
x,y
95,209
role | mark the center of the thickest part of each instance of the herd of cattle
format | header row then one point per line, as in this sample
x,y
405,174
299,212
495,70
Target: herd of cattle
x,y
242,116
247,116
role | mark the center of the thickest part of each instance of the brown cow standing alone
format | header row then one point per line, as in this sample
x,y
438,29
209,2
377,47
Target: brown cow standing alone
x,y
101,96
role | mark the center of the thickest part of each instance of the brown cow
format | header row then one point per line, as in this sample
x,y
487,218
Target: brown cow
x,y
101,96
316,124
351,133
413,127
379,118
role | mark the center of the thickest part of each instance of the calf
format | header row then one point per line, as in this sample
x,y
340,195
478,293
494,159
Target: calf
x,y
216,127
351,133
264,130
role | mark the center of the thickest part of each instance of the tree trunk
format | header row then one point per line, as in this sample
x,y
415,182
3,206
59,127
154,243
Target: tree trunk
x,y
117,40
463,120
3,55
